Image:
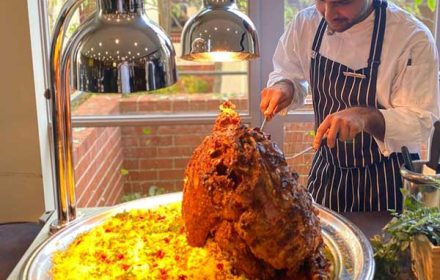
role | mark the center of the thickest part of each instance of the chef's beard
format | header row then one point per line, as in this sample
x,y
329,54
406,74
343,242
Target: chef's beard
x,y
366,11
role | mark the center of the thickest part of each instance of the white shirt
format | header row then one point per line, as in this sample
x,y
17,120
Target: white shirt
x,y
409,93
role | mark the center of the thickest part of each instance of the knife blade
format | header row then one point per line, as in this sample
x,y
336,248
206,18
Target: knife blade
x,y
263,124
323,142
300,153
430,168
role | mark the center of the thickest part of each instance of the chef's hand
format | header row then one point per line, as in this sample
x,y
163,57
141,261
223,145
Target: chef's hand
x,y
345,124
275,98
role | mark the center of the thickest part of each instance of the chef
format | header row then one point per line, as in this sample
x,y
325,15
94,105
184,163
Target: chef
x,y
372,70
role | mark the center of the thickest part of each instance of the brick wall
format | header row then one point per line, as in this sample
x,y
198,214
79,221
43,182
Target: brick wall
x,y
98,156
296,139
156,156
156,160
113,162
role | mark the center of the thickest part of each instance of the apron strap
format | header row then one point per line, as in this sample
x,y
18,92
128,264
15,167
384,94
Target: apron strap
x,y
378,33
318,35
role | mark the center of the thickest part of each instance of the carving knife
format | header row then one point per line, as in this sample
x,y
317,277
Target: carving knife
x,y
308,149
430,168
263,124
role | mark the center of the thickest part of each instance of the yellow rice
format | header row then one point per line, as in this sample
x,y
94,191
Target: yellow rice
x,y
140,244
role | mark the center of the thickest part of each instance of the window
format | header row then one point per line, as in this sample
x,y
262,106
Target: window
x,y
117,161
137,145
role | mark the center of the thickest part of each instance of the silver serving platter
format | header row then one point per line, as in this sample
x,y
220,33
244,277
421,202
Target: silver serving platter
x,y
351,251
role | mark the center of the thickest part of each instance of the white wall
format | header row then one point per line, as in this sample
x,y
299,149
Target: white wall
x,y
21,180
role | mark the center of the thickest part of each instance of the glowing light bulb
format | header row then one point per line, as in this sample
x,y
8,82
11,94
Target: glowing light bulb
x,y
219,56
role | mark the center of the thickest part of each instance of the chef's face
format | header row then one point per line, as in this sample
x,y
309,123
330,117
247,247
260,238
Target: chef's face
x,y
343,14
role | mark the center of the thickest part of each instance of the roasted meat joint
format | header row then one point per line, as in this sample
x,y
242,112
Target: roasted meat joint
x,y
240,192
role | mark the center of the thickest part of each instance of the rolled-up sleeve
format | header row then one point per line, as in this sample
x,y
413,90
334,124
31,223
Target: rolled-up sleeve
x,y
287,64
414,99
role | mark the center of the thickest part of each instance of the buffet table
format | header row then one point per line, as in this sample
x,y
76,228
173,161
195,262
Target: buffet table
x,y
370,223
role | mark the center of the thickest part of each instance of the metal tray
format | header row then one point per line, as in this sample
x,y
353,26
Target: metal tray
x,y
351,251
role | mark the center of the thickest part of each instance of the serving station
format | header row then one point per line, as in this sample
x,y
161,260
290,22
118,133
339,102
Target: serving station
x,y
352,253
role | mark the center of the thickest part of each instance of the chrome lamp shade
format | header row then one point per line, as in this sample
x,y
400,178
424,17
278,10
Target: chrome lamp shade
x,y
219,32
116,50
121,50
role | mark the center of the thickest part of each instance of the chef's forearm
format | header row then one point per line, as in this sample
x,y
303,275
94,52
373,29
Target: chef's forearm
x,y
374,122
287,84
298,93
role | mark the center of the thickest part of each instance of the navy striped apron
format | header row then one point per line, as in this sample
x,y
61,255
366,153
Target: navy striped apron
x,y
352,176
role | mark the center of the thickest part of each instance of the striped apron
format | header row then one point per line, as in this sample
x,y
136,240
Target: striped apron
x,y
352,176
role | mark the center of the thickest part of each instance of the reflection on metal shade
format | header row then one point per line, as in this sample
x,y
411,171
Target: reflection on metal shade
x,y
121,50
116,50
219,32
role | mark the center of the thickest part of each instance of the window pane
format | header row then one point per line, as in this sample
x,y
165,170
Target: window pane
x,y
423,10
292,7
117,164
201,86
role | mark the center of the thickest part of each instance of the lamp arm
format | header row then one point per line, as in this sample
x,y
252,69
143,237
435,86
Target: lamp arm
x,y
61,119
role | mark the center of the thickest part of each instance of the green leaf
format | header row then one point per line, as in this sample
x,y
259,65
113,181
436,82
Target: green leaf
x,y
431,4
152,191
123,172
311,133
146,131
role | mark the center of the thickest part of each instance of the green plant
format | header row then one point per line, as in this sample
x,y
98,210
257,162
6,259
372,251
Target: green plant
x,y
152,191
131,196
390,251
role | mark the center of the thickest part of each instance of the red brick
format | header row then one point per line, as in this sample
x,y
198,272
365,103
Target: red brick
x,y
131,186
170,129
180,106
144,131
128,130
155,140
213,105
130,141
147,107
93,160
171,174
115,197
188,139
199,106
108,184
132,153
128,107
156,164
164,106
167,152
167,186
115,191
131,164
181,162
142,175
101,179
179,186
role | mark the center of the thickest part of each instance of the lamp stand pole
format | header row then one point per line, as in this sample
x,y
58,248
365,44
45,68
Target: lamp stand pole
x,y
61,119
